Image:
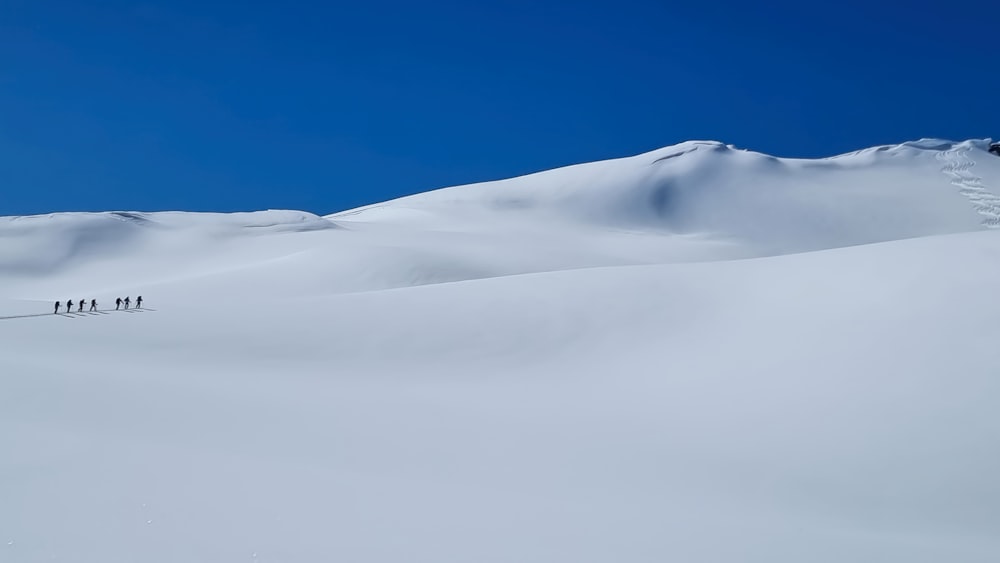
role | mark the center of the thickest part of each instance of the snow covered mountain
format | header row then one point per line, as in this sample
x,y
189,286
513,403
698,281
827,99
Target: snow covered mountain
x,y
695,354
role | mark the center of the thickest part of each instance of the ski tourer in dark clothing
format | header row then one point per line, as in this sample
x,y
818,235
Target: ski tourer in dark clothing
x,y
138,302
127,301
118,303
93,304
58,304
80,310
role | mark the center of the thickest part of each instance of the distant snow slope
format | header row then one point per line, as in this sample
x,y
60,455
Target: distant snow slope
x,y
767,204
709,355
697,201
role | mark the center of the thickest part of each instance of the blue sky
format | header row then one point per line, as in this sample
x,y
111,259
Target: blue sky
x,y
323,106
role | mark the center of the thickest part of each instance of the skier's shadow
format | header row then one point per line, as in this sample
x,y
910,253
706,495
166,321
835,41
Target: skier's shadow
x,y
26,316
92,313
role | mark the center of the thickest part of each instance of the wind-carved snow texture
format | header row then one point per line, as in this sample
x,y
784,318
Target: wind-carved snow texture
x,y
958,166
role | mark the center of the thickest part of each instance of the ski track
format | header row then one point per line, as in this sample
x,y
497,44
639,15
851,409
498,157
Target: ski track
x,y
958,166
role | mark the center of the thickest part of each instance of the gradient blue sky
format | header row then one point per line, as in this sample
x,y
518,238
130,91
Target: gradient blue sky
x,y
323,106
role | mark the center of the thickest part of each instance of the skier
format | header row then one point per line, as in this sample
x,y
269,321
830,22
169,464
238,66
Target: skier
x,y
80,310
118,303
57,307
138,302
93,304
127,301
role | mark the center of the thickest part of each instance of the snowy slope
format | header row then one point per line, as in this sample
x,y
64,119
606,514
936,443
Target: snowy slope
x,y
709,355
768,204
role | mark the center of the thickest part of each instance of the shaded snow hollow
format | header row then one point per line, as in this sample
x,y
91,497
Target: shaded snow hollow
x,y
699,353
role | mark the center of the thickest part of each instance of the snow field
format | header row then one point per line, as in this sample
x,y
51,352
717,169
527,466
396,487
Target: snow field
x,y
448,378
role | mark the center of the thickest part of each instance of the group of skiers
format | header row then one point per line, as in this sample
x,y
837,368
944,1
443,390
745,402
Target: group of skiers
x,y
93,304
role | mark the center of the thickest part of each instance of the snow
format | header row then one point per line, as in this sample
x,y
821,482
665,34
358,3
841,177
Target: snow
x,y
695,354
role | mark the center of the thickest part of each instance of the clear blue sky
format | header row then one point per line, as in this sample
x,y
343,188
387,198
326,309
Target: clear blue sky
x,y
323,106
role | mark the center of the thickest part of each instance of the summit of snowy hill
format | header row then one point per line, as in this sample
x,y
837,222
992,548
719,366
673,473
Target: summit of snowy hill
x,y
768,205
